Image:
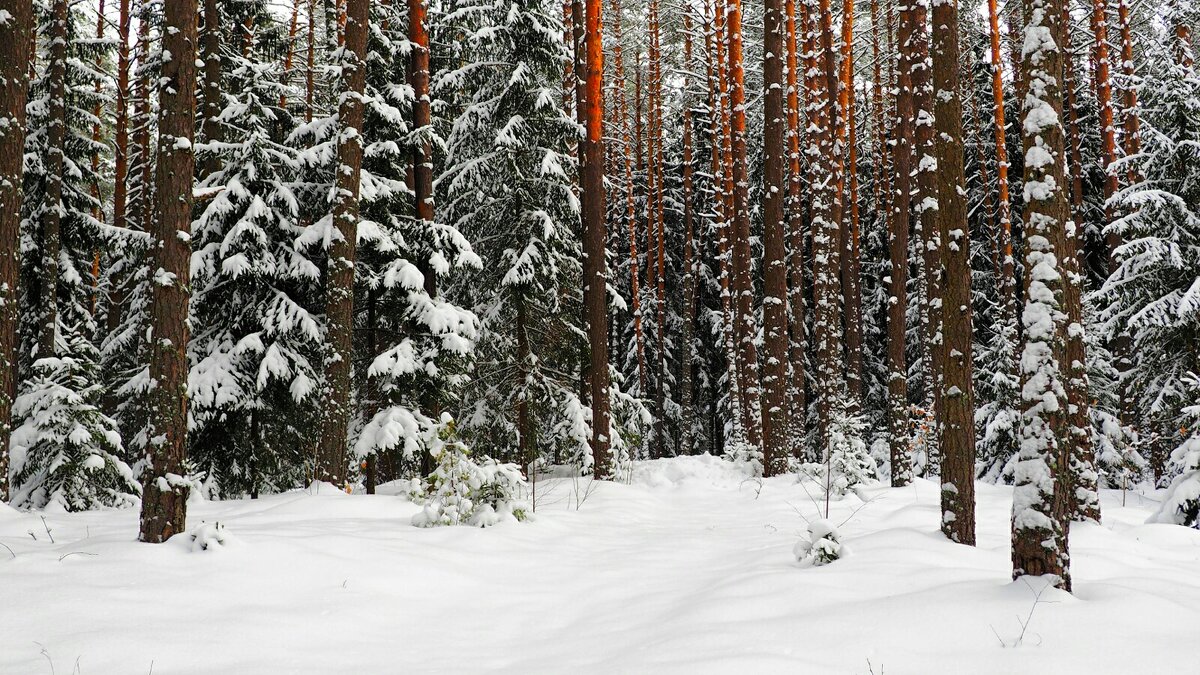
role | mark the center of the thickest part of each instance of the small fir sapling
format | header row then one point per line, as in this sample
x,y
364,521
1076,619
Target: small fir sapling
x,y
461,491
823,546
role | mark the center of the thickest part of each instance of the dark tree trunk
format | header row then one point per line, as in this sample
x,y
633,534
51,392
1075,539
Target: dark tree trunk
x,y
797,402
164,492
898,229
211,129
15,55
957,426
339,301
595,275
52,213
775,327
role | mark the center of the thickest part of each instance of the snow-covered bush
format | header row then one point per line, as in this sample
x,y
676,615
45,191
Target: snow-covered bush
x,y
849,462
823,546
461,491
209,537
1181,505
65,451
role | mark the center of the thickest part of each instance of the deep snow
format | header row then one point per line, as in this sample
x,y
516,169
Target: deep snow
x,y
687,569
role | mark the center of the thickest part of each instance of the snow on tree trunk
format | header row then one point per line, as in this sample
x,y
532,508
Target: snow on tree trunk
x,y
164,484
15,32
1039,535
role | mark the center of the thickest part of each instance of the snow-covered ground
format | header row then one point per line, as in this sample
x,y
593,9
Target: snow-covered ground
x,y
687,569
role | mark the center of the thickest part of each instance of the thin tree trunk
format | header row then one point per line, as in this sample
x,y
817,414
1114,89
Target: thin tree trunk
x,y
775,328
211,129
1006,269
898,228
957,426
687,445
15,55
827,316
926,208
851,265
290,53
743,290
53,208
120,153
97,137
164,491
595,275
339,301
310,62
797,402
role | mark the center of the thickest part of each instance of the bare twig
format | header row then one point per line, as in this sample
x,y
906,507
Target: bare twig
x,y
47,526
14,555
60,558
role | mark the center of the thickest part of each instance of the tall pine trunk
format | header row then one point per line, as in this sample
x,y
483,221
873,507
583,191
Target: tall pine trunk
x,y
848,187
797,401
50,245
595,275
1039,535
898,229
687,444
775,325
211,105
339,279
164,490
15,55
957,426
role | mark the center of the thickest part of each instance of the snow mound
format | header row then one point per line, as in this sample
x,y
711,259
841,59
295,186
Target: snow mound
x,y
701,469
823,546
208,537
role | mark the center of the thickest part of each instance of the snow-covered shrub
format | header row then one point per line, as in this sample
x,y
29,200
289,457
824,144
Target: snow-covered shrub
x,y
850,463
823,546
461,491
65,451
1181,505
209,537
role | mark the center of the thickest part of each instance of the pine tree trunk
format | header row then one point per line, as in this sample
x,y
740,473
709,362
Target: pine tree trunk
x,y
926,208
743,289
164,492
120,154
1085,498
210,94
53,209
1040,495
775,328
595,275
97,138
827,296
851,265
898,228
289,54
797,405
310,62
339,300
1006,269
687,415
957,426
15,55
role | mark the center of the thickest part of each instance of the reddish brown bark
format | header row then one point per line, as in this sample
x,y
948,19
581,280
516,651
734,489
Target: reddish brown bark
x,y
595,275
687,443
926,208
743,290
290,50
310,68
797,401
851,263
15,55
164,492
339,301
1006,268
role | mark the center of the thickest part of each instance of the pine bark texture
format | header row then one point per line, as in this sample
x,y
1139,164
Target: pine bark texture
x,y
594,269
15,41
797,389
1040,493
957,425
775,324
164,488
339,301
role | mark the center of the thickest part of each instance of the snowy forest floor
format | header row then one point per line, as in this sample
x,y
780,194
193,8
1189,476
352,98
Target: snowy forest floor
x,y
686,569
